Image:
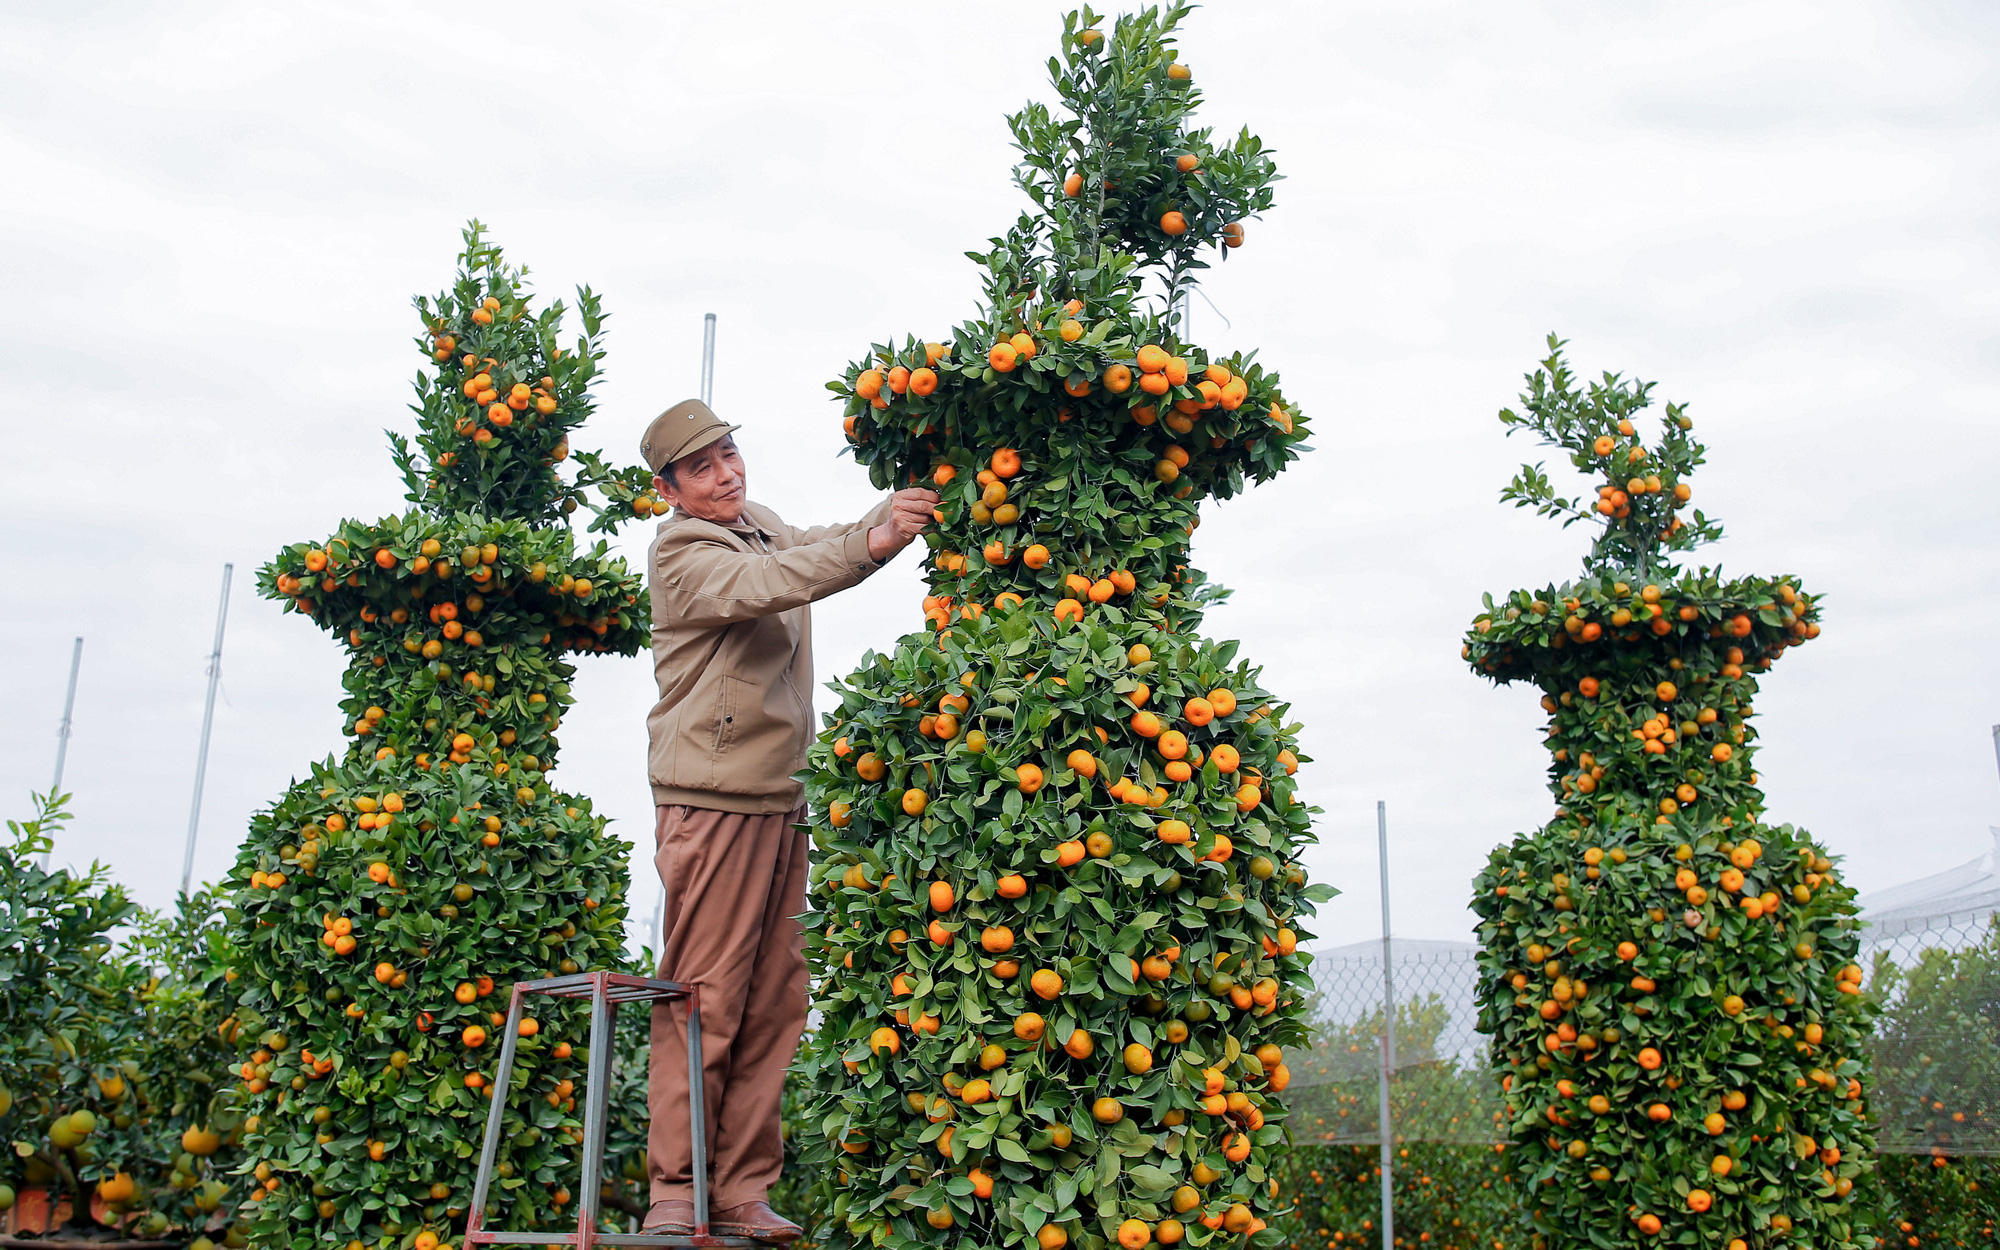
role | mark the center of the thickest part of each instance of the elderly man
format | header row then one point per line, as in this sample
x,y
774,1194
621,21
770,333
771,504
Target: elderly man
x,y
732,652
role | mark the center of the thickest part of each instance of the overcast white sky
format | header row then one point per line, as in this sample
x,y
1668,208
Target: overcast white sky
x,y
215,216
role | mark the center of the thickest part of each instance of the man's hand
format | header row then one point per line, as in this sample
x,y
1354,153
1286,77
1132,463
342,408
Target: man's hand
x,y
909,516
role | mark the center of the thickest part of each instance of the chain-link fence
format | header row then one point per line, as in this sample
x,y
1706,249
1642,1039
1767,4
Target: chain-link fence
x,y
1439,1089
1936,1054
1935,1060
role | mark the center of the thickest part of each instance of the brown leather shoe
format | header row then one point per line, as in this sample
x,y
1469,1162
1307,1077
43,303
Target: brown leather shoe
x,y
670,1217
753,1219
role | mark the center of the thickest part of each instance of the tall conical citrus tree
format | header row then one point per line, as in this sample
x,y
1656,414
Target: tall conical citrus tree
x,y
1668,979
1056,894
385,904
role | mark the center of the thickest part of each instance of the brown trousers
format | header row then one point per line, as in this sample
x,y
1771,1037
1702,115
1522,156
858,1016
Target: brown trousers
x,y
734,884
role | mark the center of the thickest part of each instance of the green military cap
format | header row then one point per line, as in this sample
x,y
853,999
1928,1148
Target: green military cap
x,y
681,430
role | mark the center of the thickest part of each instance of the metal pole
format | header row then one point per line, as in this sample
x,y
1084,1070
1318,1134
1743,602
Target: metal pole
x,y
69,708
708,358
207,723
596,1106
697,1112
1388,1034
1996,728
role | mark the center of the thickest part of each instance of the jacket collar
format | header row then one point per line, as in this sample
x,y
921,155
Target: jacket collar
x,y
756,520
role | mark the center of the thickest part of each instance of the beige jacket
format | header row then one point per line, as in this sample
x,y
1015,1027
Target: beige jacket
x,y
732,653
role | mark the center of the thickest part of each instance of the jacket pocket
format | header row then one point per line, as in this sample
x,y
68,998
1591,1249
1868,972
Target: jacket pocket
x,y
725,714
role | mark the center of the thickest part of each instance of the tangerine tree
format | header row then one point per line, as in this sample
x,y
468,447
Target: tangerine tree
x,y
1056,894
107,1098
1667,977
384,905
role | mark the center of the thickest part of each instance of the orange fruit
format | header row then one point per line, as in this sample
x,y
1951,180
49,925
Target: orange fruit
x,y
1012,885
1046,982
1029,778
1223,700
915,801
1029,1026
1172,222
1107,1110
941,896
1003,358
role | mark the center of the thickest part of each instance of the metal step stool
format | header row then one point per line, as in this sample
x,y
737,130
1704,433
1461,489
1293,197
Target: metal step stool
x,y
605,990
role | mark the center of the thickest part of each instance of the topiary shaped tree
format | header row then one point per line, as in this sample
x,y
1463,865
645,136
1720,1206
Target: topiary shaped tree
x,y
1056,894
384,905
1667,979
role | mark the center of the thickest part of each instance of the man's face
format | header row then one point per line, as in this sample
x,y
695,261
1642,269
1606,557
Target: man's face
x,y
707,484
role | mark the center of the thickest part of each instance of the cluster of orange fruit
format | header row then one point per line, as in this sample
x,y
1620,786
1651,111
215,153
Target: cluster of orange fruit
x,y
1177,758
488,409
1162,381
994,508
